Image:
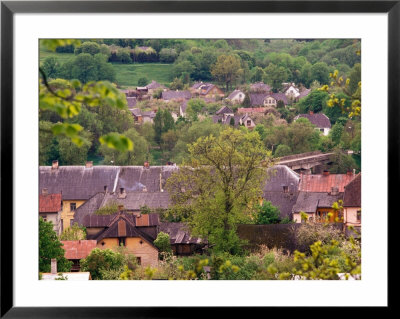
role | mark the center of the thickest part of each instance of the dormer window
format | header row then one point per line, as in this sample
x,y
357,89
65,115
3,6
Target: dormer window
x,y
286,189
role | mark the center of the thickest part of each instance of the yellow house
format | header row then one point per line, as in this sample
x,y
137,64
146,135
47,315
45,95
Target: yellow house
x,y
76,184
318,206
121,229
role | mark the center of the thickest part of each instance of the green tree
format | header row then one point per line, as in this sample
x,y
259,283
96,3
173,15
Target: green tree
x,y
315,101
194,108
341,163
162,242
72,154
176,84
302,136
158,126
217,186
88,47
137,156
226,69
67,100
336,133
75,232
282,150
266,214
143,81
101,260
320,73
257,74
50,247
51,67
275,75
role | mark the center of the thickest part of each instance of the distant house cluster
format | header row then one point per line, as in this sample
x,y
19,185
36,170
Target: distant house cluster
x,y
261,101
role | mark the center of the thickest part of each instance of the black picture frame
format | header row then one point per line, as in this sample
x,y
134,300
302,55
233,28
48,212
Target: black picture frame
x,y
9,8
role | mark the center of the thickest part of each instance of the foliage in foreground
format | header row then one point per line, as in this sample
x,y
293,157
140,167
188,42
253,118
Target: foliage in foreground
x,y
50,247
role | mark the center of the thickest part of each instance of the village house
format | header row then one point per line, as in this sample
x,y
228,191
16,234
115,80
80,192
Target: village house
x,y
123,229
267,99
75,250
154,86
78,184
281,189
291,91
143,116
176,95
317,205
352,203
236,97
318,192
234,120
50,208
320,120
207,90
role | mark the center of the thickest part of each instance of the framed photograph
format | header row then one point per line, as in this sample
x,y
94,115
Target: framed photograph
x,y
190,76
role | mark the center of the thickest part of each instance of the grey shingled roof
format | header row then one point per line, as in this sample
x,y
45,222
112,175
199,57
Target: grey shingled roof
x,y
88,208
131,101
233,94
135,178
308,202
224,110
279,176
154,85
320,120
179,233
169,95
136,200
77,182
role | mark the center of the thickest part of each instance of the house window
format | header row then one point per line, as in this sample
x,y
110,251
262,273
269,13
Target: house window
x,y
72,207
248,122
121,241
139,260
359,215
321,130
44,217
285,189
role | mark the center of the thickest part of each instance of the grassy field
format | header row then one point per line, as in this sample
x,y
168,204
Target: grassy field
x,y
129,74
62,57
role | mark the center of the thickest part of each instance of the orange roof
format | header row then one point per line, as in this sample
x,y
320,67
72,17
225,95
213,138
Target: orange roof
x,y
49,203
78,249
324,183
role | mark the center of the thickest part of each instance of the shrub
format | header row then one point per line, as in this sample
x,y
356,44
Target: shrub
x,y
162,242
102,262
143,81
75,232
309,233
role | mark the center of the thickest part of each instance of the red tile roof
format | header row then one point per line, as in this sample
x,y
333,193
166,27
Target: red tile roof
x,y
49,203
78,249
322,183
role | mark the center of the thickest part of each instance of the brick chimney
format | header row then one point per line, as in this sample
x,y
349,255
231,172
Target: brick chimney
x,y
54,164
120,208
54,266
122,193
326,173
146,164
89,164
334,191
45,191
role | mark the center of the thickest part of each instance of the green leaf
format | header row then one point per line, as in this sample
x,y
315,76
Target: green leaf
x,y
117,141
